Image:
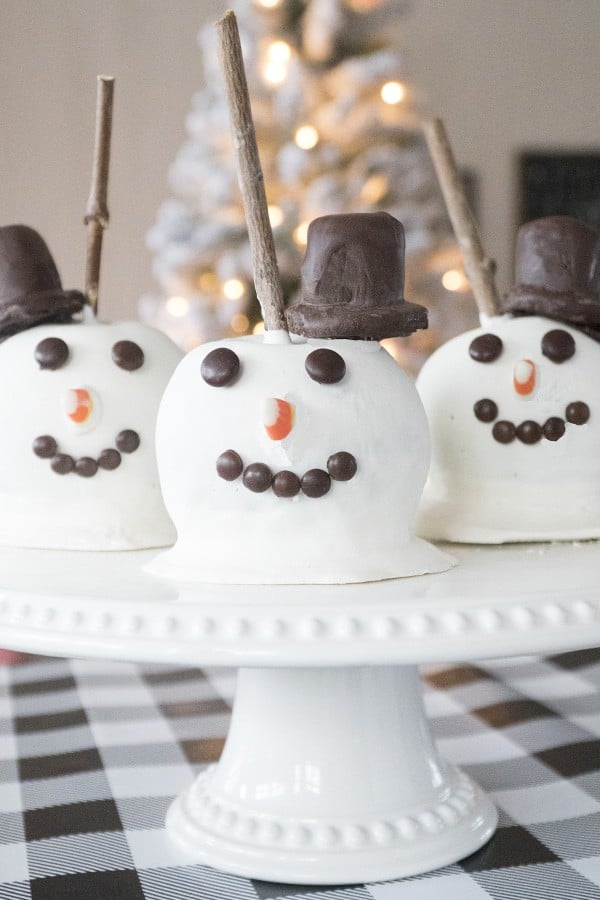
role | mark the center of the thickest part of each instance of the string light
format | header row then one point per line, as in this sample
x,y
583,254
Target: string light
x,y
279,51
455,280
275,216
259,328
178,307
274,73
240,323
306,137
277,59
364,6
234,289
269,4
208,282
393,92
301,234
374,189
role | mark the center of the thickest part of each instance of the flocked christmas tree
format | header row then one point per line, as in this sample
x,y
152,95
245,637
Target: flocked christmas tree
x,y
338,131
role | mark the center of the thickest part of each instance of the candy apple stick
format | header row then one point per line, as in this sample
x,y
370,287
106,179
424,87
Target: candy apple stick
x,y
96,213
479,267
266,274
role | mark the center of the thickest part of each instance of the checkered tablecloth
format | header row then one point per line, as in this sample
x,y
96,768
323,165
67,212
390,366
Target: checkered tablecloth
x,y
91,754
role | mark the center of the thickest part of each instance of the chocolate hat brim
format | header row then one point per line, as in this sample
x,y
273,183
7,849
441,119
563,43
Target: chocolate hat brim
x,y
35,309
346,321
570,308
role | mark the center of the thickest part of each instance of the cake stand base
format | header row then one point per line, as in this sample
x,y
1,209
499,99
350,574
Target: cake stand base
x,y
330,775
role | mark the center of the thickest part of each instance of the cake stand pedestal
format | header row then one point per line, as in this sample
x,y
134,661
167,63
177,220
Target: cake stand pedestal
x,y
329,774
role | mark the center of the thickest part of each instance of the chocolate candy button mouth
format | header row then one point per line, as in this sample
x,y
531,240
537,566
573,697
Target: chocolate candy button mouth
x,y
530,432
258,477
46,447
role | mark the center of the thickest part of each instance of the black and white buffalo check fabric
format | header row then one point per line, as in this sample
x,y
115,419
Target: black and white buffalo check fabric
x,y
92,753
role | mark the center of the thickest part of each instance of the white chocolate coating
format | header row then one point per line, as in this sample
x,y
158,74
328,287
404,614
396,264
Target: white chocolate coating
x,y
483,491
360,530
120,509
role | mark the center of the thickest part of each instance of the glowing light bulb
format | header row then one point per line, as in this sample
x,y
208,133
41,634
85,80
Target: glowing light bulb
x,y
374,189
393,92
274,73
259,328
240,323
306,137
455,280
269,4
277,58
208,282
279,51
178,307
301,234
275,216
234,289
364,6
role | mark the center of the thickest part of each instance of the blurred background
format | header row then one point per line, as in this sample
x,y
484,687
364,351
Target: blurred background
x,y
516,83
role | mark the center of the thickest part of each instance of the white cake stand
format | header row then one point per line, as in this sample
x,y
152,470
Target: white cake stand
x,y
329,774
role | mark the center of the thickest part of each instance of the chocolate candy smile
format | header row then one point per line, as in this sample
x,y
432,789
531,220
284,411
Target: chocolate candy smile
x,y
45,447
530,432
258,477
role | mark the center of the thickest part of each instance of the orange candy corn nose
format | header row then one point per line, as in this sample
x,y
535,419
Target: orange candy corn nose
x,y
524,377
78,405
278,418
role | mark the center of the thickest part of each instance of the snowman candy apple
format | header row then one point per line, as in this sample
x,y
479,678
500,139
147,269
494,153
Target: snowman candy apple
x,y
303,460
78,411
514,407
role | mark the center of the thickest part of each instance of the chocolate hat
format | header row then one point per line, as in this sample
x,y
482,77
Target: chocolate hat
x,y
353,280
30,288
558,272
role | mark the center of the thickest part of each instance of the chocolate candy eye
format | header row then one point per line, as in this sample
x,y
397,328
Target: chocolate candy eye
x,y
558,345
127,355
485,348
51,353
325,366
220,367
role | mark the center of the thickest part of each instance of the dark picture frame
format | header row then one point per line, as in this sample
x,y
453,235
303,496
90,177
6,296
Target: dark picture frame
x,y
559,183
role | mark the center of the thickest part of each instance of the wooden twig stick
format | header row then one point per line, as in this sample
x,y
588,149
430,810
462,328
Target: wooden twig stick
x,y
480,268
96,212
267,280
